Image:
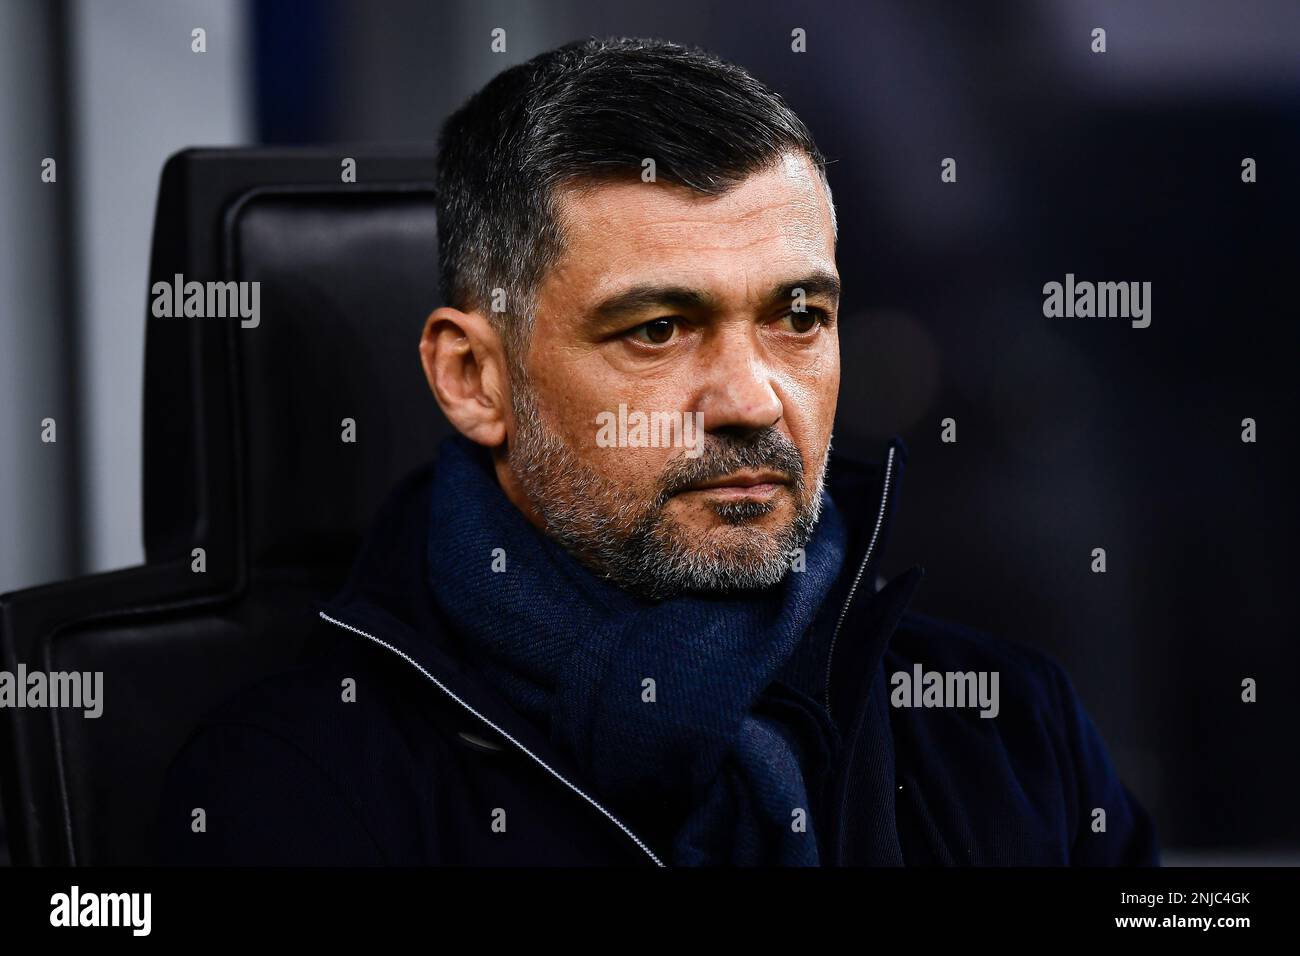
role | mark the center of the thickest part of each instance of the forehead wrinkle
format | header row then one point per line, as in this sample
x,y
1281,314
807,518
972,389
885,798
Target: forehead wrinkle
x,y
588,213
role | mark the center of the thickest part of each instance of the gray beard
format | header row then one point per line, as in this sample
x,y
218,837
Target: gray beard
x,y
633,542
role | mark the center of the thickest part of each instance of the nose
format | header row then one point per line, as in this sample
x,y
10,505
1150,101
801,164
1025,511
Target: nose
x,y
736,385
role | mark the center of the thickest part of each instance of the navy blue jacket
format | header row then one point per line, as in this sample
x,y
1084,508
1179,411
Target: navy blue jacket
x,y
426,761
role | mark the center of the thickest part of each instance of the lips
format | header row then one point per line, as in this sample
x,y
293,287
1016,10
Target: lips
x,y
741,481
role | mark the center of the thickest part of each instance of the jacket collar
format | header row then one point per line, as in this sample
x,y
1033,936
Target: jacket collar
x,y
387,602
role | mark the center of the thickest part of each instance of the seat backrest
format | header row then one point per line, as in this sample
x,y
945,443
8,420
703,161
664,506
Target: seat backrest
x,y
269,441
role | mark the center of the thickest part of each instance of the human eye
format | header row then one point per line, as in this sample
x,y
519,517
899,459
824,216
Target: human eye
x,y
658,331
806,321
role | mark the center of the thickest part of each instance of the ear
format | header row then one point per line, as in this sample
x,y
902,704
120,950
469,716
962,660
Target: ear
x,y
464,362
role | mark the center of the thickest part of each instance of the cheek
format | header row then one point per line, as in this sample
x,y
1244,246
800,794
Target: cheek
x,y
582,395
812,397
810,412
589,423
827,389
828,395
569,400
637,470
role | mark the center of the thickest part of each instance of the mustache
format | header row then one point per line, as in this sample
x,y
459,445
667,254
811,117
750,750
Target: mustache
x,y
724,453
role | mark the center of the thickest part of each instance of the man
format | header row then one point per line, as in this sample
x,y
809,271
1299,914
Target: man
x,y
628,615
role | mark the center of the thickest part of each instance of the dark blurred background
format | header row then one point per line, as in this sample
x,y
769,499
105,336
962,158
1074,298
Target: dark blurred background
x,y
1072,434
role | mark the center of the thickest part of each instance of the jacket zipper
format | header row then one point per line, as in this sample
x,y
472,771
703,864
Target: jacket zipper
x,y
857,579
545,766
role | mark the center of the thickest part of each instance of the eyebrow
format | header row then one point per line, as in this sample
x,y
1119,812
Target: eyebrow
x,y
640,298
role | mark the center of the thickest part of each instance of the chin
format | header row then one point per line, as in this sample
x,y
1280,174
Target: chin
x,y
742,542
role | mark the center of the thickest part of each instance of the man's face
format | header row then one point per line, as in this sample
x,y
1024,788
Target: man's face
x,y
669,308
